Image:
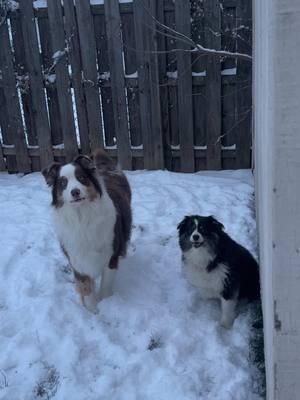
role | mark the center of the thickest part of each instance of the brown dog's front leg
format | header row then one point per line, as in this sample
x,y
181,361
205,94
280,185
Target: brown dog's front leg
x,y
84,285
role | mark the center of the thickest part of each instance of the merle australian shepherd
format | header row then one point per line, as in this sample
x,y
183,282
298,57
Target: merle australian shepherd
x,y
92,217
216,264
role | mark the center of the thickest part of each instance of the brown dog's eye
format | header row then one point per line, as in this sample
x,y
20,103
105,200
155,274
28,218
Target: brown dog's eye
x,y
83,179
63,181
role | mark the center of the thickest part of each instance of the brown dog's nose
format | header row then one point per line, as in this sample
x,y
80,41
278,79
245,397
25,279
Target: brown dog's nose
x,y
75,193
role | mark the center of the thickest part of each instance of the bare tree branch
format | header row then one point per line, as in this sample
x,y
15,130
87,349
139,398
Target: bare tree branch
x,y
172,33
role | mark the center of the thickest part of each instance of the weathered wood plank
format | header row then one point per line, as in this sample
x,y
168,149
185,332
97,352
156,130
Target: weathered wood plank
x,y
36,82
199,115
115,52
129,45
2,161
230,127
213,85
171,82
244,87
104,74
60,49
89,72
164,100
11,162
197,34
49,76
185,104
229,35
12,101
146,45
22,70
137,153
76,65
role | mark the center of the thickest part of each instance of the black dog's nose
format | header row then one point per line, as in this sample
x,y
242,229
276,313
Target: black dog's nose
x,y
196,237
75,193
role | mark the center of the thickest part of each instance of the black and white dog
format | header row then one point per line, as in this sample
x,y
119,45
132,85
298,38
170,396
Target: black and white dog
x,y
92,217
216,264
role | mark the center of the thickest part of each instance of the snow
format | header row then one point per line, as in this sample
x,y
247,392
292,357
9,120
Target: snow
x,y
228,71
154,338
12,5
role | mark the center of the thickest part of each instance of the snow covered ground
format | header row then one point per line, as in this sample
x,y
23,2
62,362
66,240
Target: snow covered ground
x,y
154,339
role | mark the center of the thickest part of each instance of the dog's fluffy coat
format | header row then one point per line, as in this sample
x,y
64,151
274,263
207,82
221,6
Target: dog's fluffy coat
x,y
215,263
92,217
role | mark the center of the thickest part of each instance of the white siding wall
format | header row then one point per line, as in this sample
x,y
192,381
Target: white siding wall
x,y
277,159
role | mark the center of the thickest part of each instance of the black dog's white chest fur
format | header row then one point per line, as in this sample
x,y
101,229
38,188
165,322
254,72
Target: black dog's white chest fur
x,y
194,266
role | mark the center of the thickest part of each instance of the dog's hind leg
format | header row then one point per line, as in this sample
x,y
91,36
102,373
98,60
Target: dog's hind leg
x,y
228,311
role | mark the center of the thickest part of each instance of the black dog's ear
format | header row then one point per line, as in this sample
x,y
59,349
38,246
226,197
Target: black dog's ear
x,y
50,173
183,223
215,223
85,162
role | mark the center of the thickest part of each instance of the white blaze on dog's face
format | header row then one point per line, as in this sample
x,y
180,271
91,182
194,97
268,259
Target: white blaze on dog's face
x,y
75,185
196,238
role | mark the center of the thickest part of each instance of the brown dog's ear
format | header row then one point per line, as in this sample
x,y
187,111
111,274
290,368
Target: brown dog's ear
x,y
50,173
85,162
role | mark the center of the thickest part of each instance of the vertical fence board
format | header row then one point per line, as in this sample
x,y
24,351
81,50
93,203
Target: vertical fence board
x,y
76,65
89,71
11,161
164,101
156,121
2,162
115,52
244,90
12,101
229,35
36,82
213,85
171,69
104,73
60,47
229,114
185,105
148,83
199,114
131,69
22,70
51,91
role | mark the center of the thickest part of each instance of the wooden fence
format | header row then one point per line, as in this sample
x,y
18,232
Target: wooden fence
x,y
75,78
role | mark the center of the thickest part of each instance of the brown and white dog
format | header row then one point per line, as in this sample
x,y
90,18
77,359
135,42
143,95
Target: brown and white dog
x,y
92,217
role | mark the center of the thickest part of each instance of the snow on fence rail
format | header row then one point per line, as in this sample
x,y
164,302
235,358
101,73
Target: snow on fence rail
x,y
106,75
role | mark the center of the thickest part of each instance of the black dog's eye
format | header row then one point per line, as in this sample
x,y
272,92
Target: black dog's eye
x,y
201,229
63,181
